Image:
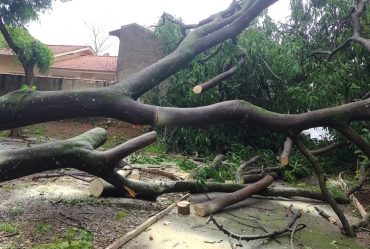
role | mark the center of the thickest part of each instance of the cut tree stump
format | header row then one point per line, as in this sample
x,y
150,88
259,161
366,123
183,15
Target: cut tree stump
x,y
197,89
284,158
218,204
125,171
135,175
100,188
183,207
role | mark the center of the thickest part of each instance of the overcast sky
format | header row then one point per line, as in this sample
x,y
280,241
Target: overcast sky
x,y
65,24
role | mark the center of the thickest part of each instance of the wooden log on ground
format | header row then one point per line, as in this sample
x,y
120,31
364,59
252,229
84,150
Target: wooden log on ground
x,y
260,171
121,241
135,175
257,177
100,188
329,148
215,163
284,158
218,204
125,171
183,207
238,174
250,162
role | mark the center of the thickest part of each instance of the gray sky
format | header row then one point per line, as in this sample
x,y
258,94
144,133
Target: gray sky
x,y
65,24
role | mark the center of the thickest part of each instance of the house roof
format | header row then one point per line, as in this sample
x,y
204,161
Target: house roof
x,y
5,51
64,49
88,63
57,49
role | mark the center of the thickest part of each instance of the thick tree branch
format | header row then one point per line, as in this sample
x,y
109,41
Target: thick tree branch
x,y
78,152
218,204
8,39
214,53
336,50
360,182
322,182
358,10
218,79
329,148
197,41
18,109
225,13
284,158
355,138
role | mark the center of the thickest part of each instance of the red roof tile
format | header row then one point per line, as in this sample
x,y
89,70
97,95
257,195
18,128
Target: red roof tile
x,y
57,49
88,63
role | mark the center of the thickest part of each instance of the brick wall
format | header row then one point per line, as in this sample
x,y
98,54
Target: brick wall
x,y
139,48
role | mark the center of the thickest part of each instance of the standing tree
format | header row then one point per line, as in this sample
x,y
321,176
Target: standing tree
x,y
99,39
24,107
29,51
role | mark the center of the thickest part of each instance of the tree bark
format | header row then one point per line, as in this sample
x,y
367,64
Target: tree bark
x,y
216,162
328,148
322,182
216,205
257,177
16,133
284,158
218,79
100,188
183,207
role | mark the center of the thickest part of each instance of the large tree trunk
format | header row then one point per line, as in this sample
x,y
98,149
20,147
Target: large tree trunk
x,y
16,133
30,78
29,74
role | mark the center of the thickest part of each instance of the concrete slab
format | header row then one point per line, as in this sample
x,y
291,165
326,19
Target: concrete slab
x,y
251,216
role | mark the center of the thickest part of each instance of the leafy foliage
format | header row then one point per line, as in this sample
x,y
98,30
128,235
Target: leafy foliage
x,y
8,228
32,49
20,12
82,241
280,75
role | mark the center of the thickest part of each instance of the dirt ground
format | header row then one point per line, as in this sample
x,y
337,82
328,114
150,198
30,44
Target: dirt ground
x,y
118,131
43,208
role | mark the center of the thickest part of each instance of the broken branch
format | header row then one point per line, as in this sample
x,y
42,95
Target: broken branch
x,y
288,227
216,205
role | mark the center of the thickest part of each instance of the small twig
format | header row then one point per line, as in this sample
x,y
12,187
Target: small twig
x,y
55,202
60,174
292,235
365,229
264,229
272,234
69,224
11,234
326,216
231,243
213,242
71,218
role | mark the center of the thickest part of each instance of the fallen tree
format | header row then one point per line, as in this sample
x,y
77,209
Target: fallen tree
x,y
25,107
